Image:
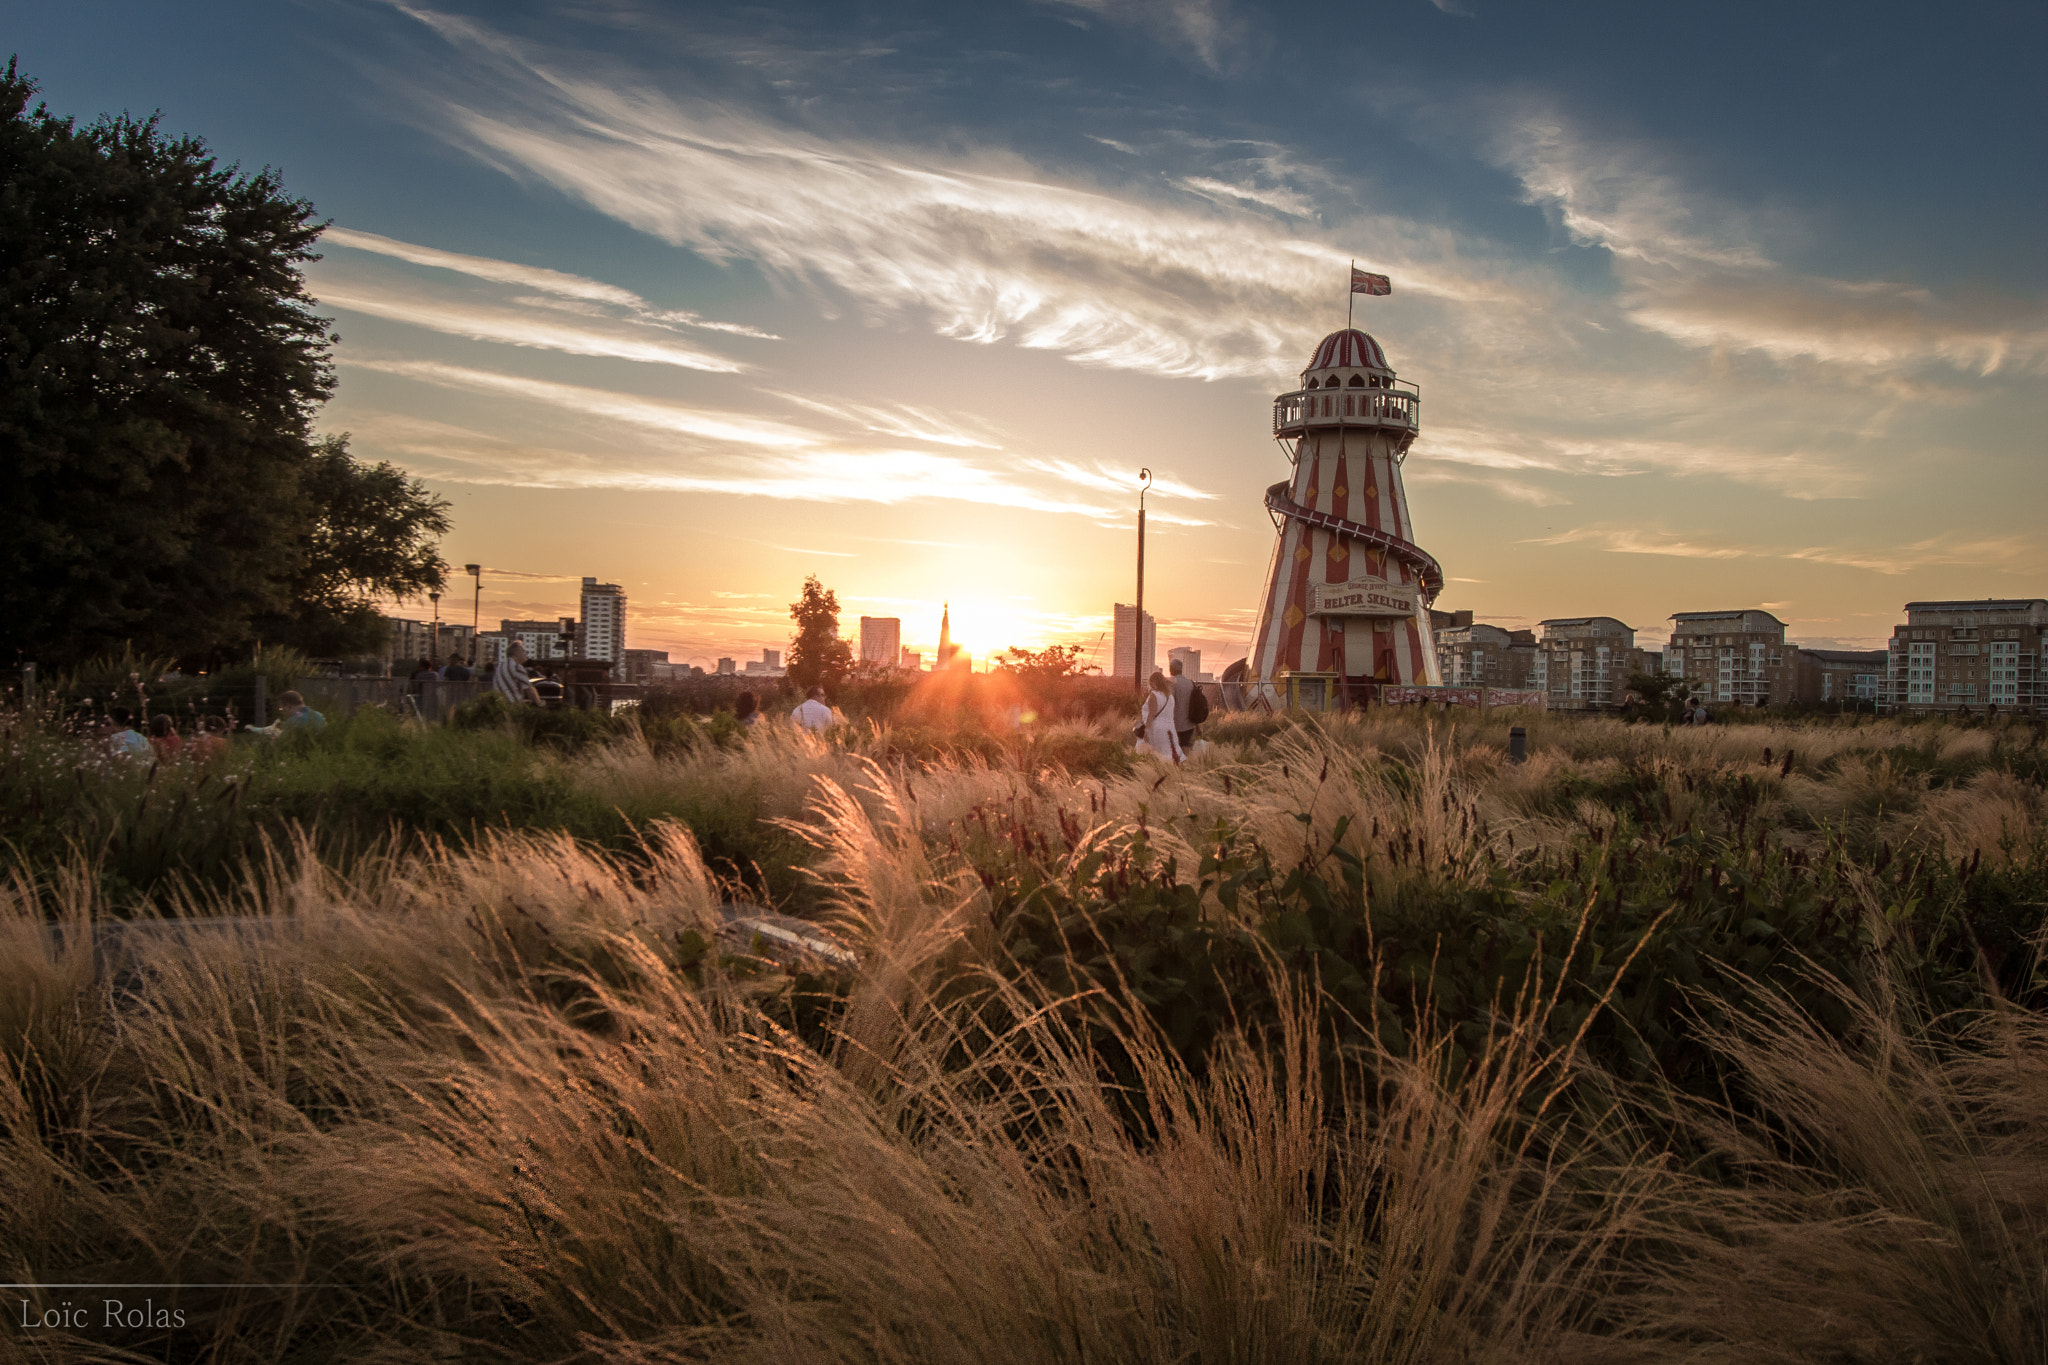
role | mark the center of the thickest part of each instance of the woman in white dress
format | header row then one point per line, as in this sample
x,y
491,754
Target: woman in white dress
x,y
1157,717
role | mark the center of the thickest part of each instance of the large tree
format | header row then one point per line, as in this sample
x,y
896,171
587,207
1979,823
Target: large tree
x,y
817,654
160,366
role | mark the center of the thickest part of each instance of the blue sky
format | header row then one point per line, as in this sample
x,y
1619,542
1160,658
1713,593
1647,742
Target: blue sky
x,y
1710,306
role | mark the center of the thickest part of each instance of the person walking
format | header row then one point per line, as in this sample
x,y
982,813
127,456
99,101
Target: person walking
x,y
1156,716
1183,688
812,713
512,681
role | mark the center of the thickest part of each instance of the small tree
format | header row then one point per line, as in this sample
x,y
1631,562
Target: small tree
x,y
1659,692
1041,665
817,656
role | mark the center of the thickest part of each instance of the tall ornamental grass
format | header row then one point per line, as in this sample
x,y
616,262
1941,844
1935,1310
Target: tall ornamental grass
x,y
1347,1041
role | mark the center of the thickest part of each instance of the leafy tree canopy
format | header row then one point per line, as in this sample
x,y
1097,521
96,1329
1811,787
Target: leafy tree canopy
x,y
1054,661
817,655
374,533
160,366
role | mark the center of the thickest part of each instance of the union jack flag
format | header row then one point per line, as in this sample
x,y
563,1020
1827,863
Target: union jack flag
x,y
1363,283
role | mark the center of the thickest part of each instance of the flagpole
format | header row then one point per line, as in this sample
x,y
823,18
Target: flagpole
x,y
1350,294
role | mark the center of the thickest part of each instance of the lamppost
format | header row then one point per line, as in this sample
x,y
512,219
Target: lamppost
x,y
476,615
1138,625
434,650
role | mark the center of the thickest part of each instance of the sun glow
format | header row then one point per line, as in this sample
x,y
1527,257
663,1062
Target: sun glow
x,y
985,627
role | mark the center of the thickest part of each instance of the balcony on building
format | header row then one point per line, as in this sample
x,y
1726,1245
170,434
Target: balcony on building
x,y
1392,403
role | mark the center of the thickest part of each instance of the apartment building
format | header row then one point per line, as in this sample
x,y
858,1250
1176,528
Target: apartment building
x,y
549,639
1190,661
1738,657
1831,676
408,640
1980,654
1479,655
1134,651
1583,662
603,632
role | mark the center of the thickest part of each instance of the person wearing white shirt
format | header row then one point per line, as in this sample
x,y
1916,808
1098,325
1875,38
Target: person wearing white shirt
x,y
812,713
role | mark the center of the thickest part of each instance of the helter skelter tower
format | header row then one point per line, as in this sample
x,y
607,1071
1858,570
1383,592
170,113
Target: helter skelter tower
x,y
1349,592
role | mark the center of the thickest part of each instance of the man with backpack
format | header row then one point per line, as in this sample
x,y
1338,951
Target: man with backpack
x,y
1190,705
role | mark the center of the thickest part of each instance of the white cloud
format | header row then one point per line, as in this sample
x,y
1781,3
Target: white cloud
x,y
1634,542
2007,554
902,421
1697,270
1124,483
484,268
988,248
654,413
516,327
779,461
1209,30
1286,201
555,282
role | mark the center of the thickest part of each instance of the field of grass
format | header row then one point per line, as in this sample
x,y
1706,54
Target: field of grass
x,y
1348,1040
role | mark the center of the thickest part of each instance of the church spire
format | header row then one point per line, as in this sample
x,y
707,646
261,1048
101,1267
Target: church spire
x,y
946,631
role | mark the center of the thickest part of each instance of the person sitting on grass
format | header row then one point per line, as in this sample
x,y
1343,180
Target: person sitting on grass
x,y
512,681
812,713
164,738
210,741
746,710
292,714
123,739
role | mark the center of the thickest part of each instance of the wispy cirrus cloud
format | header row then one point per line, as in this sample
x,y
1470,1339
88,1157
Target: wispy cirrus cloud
x,y
2003,554
2008,554
558,283
1698,270
1213,32
681,419
904,422
525,327
1804,475
776,460
1285,201
988,248
1115,481
1629,541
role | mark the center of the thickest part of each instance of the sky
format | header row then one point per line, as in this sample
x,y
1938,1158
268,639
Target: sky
x,y
1720,306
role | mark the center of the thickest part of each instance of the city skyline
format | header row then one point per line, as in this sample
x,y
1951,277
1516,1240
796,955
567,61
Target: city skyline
x,y
742,298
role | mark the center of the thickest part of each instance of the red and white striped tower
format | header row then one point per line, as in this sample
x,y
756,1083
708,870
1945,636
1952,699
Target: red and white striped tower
x,y
1349,590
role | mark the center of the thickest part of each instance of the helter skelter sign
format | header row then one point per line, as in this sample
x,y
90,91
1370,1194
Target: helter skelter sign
x,y
1349,591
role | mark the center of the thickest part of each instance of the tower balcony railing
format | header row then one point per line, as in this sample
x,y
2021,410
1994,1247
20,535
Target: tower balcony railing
x,y
1294,413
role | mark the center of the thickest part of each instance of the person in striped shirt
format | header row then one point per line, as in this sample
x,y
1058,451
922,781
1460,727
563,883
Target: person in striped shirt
x,y
512,680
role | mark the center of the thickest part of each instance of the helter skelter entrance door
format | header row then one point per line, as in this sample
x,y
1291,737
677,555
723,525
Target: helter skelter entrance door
x,y
1349,591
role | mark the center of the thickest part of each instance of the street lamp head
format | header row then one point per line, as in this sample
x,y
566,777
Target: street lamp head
x,y
473,570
